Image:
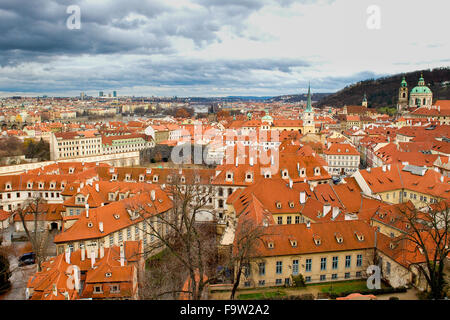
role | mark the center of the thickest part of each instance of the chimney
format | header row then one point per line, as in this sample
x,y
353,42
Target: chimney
x,y
83,254
389,167
326,208
251,161
237,161
272,160
100,226
87,209
54,290
92,259
335,212
383,168
302,197
102,251
97,188
122,255
308,224
442,178
368,169
153,195
76,277
290,183
68,256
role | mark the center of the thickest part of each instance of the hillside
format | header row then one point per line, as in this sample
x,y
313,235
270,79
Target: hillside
x,y
293,98
383,92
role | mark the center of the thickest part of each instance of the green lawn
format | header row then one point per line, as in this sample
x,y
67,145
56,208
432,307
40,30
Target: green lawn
x,y
262,295
339,287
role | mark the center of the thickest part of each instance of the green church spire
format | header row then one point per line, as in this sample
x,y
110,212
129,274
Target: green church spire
x,y
308,104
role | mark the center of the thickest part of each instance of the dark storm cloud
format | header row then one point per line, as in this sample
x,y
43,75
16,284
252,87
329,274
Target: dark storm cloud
x,y
107,27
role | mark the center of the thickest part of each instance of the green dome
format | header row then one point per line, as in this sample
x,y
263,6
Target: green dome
x,y
421,89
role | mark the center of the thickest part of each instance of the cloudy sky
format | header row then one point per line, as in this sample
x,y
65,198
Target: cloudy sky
x,y
215,47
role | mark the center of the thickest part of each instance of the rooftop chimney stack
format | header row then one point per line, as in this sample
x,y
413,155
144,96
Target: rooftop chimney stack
x,y
383,168
68,256
302,197
83,254
290,183
153,195
97,188
251,161
102,251
86,206
326,208
100,226
335,212
122,256
308,224
92,259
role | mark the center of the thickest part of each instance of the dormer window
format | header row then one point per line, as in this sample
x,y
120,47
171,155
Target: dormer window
x,y
270,245
52,185
8,186
316,171
114,177
359,236
293,243
267,174
29,185
285,173
116,216
111,196
229,176
278,204
111,170
155,178
249,176
339,237
90,225
197,179
108,274
141,177
303,172
71,170
169,179
127,177
291,204
317,240
41,185
392,245
183,179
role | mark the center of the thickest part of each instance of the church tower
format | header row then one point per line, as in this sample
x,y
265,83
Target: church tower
x,y
364,102
403,96
308,116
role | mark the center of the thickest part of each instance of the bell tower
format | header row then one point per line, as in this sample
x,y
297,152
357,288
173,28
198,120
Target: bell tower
x,y
308,116
403,95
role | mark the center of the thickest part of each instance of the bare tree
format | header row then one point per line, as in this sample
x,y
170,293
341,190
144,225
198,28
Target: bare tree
x,y
428,231
248,236
32,217
191,242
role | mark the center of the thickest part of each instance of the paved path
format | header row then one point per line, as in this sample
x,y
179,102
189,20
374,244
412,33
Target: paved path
x,y
19,276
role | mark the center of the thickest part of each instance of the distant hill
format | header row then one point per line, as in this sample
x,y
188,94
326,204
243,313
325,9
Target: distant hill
x,y
293,98
383,92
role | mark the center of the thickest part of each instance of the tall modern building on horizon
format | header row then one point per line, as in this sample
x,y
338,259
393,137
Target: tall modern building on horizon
x,y
100,94
115,94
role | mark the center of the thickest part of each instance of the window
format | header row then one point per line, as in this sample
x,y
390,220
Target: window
x,y
262,268
289,220
323,277
307,279
308,264
98,289
279,267
348,261
278,281
358,274
334,276
335,262
120,236
111,240
262,282
388,268
247,284
295,267
359,260
129,233
347,275
297,219
280,220
323,263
